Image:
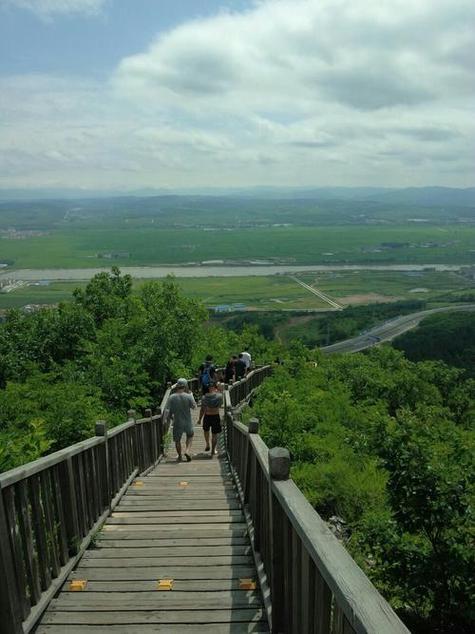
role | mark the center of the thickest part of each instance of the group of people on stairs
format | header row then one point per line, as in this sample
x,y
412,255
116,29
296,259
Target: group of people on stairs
x,y
182,401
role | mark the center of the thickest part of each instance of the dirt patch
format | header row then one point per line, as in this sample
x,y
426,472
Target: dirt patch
x,y
367,298
299,320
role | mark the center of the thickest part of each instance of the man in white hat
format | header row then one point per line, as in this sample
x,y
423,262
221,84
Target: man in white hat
x,y
179,408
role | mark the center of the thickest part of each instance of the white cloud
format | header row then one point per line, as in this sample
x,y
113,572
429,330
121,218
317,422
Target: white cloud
x,y
48,8
291,92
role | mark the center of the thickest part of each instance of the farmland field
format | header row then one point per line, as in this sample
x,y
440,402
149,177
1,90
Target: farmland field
x,y
378,244
363,287
279,292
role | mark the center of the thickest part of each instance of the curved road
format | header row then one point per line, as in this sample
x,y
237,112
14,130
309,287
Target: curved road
x,y
389,330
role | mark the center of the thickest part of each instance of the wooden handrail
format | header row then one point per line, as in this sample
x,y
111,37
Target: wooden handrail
x,y
311,576
51,508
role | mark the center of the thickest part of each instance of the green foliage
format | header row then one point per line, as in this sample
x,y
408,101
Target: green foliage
x,y
20,445
448,337
106,296
99,355
67,410
171,329
386,444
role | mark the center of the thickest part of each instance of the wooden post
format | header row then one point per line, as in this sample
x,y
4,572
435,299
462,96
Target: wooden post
x,y
131,417
106,497
10,614
161,433
279,467
70,505
152,438
253,428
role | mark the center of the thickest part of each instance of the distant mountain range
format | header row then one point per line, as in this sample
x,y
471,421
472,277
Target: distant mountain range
x,y
418,196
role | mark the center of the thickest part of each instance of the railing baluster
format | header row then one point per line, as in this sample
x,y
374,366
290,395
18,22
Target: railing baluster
x,y
16,547
296,582
81,495
48,508
39,527
103,466
70,506
58,516
28,541
12,608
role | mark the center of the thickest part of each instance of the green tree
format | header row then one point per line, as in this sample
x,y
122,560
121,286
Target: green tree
x,y
106,296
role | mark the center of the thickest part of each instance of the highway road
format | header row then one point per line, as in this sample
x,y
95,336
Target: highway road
x,y
318,293
389,330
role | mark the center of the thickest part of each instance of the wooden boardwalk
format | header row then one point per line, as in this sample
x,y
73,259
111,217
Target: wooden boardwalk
x,y
183,522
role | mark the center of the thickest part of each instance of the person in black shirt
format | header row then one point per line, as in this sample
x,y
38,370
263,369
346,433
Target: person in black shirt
x,y
230,371
240,368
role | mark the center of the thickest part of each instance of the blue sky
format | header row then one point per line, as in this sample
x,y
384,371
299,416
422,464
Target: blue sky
x,y
125,94
81,43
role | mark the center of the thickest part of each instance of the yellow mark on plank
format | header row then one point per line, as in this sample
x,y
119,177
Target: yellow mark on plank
x,y
247,584
137,483
77,585
165,584
183,484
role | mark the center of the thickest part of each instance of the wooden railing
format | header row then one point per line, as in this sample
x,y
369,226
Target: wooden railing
x,y
51,509
310,583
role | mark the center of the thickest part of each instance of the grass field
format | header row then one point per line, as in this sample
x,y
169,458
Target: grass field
x,y
362,287
54,293
257,293
390,244
279,292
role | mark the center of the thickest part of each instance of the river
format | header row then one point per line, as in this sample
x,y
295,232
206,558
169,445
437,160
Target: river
x,y
153,272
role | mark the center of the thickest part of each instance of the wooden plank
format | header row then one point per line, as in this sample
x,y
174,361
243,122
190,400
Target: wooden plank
x,y
199,477
177,528
178,551
88,562
209,505
150,585
101,542
150,511
149,618
130,519
154,572
133,601
179,491
168,532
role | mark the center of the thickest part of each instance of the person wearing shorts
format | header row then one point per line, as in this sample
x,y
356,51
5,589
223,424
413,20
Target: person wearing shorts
x,y
209,414
179,408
